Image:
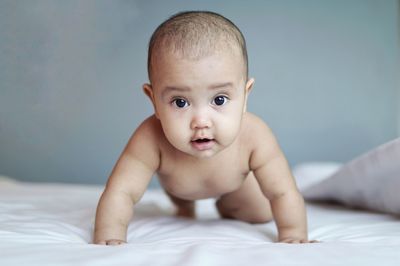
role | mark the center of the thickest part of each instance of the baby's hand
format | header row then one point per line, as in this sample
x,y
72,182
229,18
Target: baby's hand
x,y
111,242
292,240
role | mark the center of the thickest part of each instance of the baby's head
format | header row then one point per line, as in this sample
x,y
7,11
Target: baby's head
x,y
197,65
195,35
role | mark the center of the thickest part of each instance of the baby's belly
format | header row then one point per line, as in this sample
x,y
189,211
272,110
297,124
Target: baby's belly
x,y
200,188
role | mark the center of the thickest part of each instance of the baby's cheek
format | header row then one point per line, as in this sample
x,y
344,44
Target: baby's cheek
x,y
176,136
229,133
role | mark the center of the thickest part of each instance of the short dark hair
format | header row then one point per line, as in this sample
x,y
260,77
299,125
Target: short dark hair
x,y
194,34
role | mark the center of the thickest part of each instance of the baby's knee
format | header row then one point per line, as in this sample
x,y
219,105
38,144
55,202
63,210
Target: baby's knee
x,y
243,214
226,212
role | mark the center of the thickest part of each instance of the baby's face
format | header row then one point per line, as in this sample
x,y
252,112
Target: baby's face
x,y
200,103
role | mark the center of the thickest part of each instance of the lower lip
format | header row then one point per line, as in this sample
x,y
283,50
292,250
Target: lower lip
x,y
202,146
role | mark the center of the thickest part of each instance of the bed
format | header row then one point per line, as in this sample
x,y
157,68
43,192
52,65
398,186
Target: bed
x,y
52,224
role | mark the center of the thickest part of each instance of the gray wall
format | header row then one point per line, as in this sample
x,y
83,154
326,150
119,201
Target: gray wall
x,y
71,75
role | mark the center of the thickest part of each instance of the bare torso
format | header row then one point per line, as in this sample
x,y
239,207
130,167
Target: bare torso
x,y
190,178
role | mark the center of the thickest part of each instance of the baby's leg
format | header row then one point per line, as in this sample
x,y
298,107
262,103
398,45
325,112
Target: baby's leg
x,y
185,208
248,203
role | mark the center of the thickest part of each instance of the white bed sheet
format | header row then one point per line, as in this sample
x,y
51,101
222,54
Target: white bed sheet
x,y
51,224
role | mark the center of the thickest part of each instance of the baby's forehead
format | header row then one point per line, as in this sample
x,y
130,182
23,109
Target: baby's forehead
x,y
197,50
165,55
170,64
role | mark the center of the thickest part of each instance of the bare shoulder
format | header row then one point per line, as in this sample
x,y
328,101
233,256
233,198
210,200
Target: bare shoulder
x,y
261,140
144,143
255,129
150,127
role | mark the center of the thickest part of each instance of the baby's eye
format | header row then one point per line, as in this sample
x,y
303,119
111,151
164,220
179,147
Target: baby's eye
x,y
180,103
220,100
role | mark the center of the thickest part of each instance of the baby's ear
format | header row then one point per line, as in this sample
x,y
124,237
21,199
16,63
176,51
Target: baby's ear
x,y
249,86
148,90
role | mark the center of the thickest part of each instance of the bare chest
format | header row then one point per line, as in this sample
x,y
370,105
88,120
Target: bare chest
x,y
193,180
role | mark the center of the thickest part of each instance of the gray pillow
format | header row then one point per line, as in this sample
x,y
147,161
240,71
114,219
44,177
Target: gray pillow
x,y
371,181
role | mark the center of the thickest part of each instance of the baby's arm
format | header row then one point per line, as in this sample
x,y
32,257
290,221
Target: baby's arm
x,y
274,176
126,185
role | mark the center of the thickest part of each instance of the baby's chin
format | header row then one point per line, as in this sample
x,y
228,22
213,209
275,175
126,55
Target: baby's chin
x,y
203,152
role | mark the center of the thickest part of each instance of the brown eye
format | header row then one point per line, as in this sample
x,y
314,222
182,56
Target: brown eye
x,y
220,100
180,103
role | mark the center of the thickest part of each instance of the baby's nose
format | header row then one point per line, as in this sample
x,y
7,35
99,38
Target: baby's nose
x,y
200,120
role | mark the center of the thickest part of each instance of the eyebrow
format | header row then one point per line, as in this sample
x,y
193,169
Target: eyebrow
x,y
221,85
169,89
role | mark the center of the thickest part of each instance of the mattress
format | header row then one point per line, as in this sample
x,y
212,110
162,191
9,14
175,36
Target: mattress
x,y
52,224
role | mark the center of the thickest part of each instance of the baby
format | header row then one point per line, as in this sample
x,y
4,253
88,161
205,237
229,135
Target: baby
x,y
200,141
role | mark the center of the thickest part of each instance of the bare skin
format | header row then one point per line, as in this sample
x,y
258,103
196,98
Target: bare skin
x,y
202,143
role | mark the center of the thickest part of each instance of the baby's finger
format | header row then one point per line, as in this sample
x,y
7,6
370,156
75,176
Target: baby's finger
x,y
290,241
305,241
102,242
114,242
298,241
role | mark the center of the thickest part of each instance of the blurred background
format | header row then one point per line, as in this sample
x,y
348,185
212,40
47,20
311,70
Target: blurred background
x,y
327,78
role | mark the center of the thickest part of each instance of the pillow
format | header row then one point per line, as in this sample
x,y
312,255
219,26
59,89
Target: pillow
x,y
311,173
371,181
5,180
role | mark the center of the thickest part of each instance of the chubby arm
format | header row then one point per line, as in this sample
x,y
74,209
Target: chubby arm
x,y
277,183
127,184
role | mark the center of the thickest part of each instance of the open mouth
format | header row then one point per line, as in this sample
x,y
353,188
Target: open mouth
x,y
203,144
202,140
